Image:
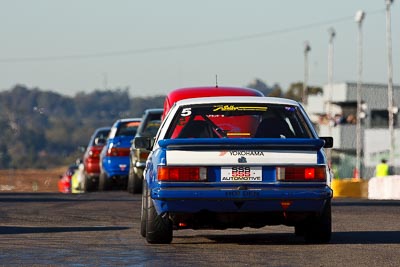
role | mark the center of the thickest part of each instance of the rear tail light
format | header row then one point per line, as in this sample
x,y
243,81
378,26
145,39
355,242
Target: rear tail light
x,y
143,155
118,152
182,174
301,174
94,153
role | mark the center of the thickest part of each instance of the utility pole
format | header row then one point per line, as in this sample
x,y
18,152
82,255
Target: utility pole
x,y
360,15
390,82
332,35
307,49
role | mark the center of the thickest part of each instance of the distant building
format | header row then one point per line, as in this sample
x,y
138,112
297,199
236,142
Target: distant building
x,y
374,131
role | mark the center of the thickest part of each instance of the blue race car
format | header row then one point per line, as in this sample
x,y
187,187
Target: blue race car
x,y
234,162
114,157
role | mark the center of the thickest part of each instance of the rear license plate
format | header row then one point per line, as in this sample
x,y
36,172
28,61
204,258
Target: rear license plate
x,y
241,174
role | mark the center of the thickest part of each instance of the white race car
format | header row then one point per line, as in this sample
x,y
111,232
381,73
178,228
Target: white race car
x,y
234,162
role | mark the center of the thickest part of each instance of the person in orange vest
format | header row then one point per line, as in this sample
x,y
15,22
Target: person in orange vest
x,y
382,169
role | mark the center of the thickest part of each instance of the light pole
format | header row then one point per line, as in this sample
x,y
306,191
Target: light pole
x,y
360,15
307,49
390,82
332,35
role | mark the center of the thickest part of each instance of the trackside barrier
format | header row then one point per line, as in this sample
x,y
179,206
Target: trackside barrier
x,y
387,187
350,187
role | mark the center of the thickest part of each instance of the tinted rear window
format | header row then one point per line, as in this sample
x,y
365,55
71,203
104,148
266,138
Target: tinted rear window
x,y
127,128
100,135
239,121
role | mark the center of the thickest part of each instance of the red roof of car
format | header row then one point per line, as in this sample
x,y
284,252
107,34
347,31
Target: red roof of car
x,y
205,91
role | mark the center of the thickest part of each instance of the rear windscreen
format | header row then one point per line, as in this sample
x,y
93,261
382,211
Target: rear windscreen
x,y
239,121
128,128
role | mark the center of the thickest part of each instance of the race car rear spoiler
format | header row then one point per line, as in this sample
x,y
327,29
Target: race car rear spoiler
x,y
207,143
265,143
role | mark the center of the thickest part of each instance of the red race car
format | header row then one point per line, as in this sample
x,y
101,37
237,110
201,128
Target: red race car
x,y
205,91
91,158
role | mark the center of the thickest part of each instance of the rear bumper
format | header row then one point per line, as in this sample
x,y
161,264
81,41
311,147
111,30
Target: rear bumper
x,y
93,175
92,168
183,200
116,166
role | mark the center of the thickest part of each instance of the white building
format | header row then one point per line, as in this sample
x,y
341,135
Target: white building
x,y
374,130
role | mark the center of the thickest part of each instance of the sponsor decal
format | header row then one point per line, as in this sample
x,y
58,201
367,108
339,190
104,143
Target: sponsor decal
x,y
241,179
240,171
182,121
238,134
242,160
241,174
246,153
241,153
237,108
291,109
223,153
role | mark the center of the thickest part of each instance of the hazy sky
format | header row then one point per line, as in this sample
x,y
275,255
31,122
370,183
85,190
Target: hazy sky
x,y
153,47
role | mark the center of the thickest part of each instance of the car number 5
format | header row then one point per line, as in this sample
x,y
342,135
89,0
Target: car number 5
x,y
186,112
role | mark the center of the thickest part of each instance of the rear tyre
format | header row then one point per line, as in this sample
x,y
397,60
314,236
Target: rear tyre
x,y
143,215
319,230
134,181
130,186
158,228
87,184
103,182
299,230
137,183
130,179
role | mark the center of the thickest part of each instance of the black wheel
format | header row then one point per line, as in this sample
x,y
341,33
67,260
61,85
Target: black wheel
x,y
158,228
137,183
299,230
319,230
103,182
134,181
143,214
130,179
87,184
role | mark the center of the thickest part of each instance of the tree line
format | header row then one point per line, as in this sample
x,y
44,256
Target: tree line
x,y
44,129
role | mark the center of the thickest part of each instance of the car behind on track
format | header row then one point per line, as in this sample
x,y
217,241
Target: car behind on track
x,y
64,184
114,157
149,126
91,158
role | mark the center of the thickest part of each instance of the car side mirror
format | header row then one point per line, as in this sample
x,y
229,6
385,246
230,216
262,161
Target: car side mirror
x,y
100,141
328,141
143,142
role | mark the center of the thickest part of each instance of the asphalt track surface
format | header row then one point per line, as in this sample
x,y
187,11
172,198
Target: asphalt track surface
x,y
102,229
